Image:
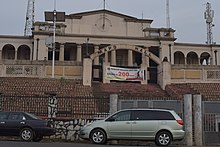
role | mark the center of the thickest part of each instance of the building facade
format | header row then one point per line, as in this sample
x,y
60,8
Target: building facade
x,y
88,43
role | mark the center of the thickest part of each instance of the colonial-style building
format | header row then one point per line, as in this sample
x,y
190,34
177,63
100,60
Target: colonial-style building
x,y
90,44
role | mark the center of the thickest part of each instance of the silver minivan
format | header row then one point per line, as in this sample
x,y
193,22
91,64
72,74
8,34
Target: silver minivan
x,y
159,125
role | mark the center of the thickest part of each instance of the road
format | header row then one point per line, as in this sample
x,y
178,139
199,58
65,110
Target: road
x,y
15,143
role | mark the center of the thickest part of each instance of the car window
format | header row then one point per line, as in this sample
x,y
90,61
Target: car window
x,y
151,115
31,116
3,115
141,115
16,116
121,116
163,115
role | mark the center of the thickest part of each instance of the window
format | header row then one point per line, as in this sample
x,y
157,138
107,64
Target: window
x,y
141,115
151,115
3,115
121,116
16,116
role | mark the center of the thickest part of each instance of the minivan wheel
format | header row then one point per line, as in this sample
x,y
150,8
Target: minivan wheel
x,y
98,136
163,138
26,134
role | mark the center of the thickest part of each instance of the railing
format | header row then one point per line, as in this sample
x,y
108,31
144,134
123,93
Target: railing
x,y
41,69
67,107
195,74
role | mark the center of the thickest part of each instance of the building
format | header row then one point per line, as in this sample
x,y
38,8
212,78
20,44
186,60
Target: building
x,y
89,44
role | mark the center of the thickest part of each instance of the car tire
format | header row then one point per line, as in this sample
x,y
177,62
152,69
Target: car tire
x,y
98,136
163,138
26,134
37,138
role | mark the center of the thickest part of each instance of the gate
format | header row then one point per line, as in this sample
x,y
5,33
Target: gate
x,y
176,105
211,122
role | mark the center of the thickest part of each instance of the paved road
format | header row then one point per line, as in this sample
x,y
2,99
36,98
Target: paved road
x,y
15,143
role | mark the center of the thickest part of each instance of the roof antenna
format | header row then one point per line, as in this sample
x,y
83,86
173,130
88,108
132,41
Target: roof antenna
x,y
104,4
167,14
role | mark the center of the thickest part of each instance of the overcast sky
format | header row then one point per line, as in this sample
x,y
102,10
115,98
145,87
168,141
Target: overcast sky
x,y
186,16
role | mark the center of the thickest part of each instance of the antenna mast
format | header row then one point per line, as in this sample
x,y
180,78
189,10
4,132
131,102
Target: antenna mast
x,y
104,4
167,14
29,18
209,15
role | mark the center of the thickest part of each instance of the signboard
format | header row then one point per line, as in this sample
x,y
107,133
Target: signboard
x,y
124,74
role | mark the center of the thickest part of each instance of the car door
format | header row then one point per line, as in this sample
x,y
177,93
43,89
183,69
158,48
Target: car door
x,y
3,125
15,122
143,126
119,125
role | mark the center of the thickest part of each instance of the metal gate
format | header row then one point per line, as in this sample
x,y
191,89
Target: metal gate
x,y
176,105
211,122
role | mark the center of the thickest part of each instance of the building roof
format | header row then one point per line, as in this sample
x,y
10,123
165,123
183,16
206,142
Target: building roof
x,y
126,17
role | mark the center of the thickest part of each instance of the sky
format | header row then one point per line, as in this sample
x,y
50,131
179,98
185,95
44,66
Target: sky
x,y
186,16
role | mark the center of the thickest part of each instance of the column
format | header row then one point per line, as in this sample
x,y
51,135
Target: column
x,y
16,54
0,54
113,57
79,53
197,101
61,58
106,57
96,60
113,103
130,58
147,58
87,71
188,119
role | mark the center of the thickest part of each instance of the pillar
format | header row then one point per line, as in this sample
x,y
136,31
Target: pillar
x,y
113,57
79,53
61,52
188,119
52,106
105,65
0,54
145,74
16,54
96,62
197,101
87,72
1,102
113,103
130,58
106,57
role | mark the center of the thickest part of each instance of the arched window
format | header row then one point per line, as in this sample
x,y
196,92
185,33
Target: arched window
x,y
179,58
192,58
205,58
23,53
8,52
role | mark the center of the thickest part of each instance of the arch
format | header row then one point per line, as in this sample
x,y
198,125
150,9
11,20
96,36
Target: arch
x,y
205,56
179,58
23,52
8,52
128,47
192,58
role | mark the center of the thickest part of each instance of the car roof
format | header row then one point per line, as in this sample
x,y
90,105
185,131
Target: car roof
x,y
146,109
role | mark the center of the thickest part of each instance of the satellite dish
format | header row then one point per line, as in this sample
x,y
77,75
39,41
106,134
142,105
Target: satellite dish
x,y
209,19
